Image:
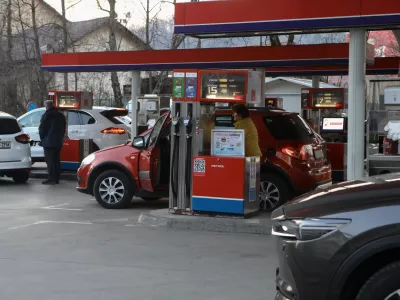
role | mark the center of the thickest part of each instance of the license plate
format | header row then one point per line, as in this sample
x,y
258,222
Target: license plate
x,y
318,154
5,145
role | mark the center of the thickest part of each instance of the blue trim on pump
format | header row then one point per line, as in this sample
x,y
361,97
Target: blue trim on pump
x,y
220,205
70,166
283,25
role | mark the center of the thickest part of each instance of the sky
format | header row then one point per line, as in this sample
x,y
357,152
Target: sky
x,y
88,9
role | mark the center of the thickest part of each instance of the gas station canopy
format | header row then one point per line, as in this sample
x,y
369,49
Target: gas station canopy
x,y
231,58
210,19
381,66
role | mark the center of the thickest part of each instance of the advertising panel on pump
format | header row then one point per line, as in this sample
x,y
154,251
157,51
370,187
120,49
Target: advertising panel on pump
x,y
227,142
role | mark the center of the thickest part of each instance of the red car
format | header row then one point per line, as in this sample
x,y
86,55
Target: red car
x,y
294,161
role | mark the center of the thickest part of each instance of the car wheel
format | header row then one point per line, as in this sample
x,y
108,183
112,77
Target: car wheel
x,y
151,198
274,192
21,177
384,284
113,190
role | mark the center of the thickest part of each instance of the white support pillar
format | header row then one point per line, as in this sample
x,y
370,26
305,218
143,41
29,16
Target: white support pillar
x,y
262,70
356,109
135,91
315,82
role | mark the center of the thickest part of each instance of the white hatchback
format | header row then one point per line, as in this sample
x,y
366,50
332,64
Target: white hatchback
x,y
15,152
101,124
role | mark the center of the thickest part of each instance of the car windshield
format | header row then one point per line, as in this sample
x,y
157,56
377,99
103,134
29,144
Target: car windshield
x,y
9,126
288,127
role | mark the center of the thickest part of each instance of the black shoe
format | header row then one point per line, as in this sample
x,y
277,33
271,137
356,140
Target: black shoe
x,y
48,182
58,182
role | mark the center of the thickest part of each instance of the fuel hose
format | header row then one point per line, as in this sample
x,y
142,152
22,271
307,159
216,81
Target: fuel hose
x,y
174,168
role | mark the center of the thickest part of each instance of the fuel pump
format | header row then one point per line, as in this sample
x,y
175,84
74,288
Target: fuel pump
x,y
194,169
325,110
74,149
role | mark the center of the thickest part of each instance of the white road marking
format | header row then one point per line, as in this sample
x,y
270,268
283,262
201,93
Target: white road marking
x,y
50,222
61,208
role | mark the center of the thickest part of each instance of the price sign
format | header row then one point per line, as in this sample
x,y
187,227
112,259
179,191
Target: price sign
x,y
223,86
328,98
67,100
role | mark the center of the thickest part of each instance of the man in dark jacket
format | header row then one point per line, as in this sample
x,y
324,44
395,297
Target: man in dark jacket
x,y
52,130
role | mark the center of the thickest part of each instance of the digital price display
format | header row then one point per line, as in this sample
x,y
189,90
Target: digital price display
x,y
332,98
67,100
333,124
223,86
305,99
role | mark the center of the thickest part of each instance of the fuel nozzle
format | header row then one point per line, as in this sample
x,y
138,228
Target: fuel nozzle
x,y
188,124
175,123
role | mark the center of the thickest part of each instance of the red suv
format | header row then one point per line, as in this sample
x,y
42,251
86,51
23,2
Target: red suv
x,y
294,161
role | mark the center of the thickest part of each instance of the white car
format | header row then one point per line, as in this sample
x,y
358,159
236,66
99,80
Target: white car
x,y
102,124
15,151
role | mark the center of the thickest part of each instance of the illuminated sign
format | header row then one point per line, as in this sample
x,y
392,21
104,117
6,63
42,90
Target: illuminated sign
x,y
327,98
333,124
223,86
67,100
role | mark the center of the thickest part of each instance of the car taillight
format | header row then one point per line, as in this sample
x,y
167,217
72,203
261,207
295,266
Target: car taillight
x,y
301,152
112,130
23,139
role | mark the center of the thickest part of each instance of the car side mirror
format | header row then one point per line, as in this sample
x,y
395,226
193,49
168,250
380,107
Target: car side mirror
x,y
138,142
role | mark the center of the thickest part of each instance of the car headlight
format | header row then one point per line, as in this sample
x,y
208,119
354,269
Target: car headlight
x,y
307,229
88,159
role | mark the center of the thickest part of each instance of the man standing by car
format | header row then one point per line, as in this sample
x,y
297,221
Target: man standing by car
x,y
52,130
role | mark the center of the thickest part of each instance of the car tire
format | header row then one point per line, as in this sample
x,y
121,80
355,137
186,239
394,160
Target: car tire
x,y
383,285
113,190
21,177
274,191
151,198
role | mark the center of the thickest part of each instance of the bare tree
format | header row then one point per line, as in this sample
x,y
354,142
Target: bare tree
x,y
150,10
65,39
113,47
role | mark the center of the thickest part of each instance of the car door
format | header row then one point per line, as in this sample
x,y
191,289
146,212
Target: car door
x,y
148,160
74,125
30,124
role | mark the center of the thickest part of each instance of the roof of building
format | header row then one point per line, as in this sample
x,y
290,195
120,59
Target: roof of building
x,y
300,81
51,37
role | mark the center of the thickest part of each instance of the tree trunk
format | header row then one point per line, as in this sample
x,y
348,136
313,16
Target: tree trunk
x,y
65,40
10,97
113,47
38,57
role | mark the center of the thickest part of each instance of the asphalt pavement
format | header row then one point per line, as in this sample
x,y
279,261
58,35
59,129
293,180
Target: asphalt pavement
x,y
58,244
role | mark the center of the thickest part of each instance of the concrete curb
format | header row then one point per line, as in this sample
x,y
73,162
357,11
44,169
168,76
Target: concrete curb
x,y
162,218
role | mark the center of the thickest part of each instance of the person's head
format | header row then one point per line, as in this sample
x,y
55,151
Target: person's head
x,y
49,104
240,111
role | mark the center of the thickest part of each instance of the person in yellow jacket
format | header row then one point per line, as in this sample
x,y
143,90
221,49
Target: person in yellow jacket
x,y
241,117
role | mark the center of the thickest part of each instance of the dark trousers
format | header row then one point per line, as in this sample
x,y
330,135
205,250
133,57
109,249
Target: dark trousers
x,y
53,161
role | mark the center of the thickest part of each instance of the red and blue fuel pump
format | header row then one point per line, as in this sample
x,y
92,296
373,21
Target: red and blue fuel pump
x,y
325,109
209,170
74,150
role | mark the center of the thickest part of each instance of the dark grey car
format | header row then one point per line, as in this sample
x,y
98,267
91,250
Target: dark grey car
x,y
341,243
